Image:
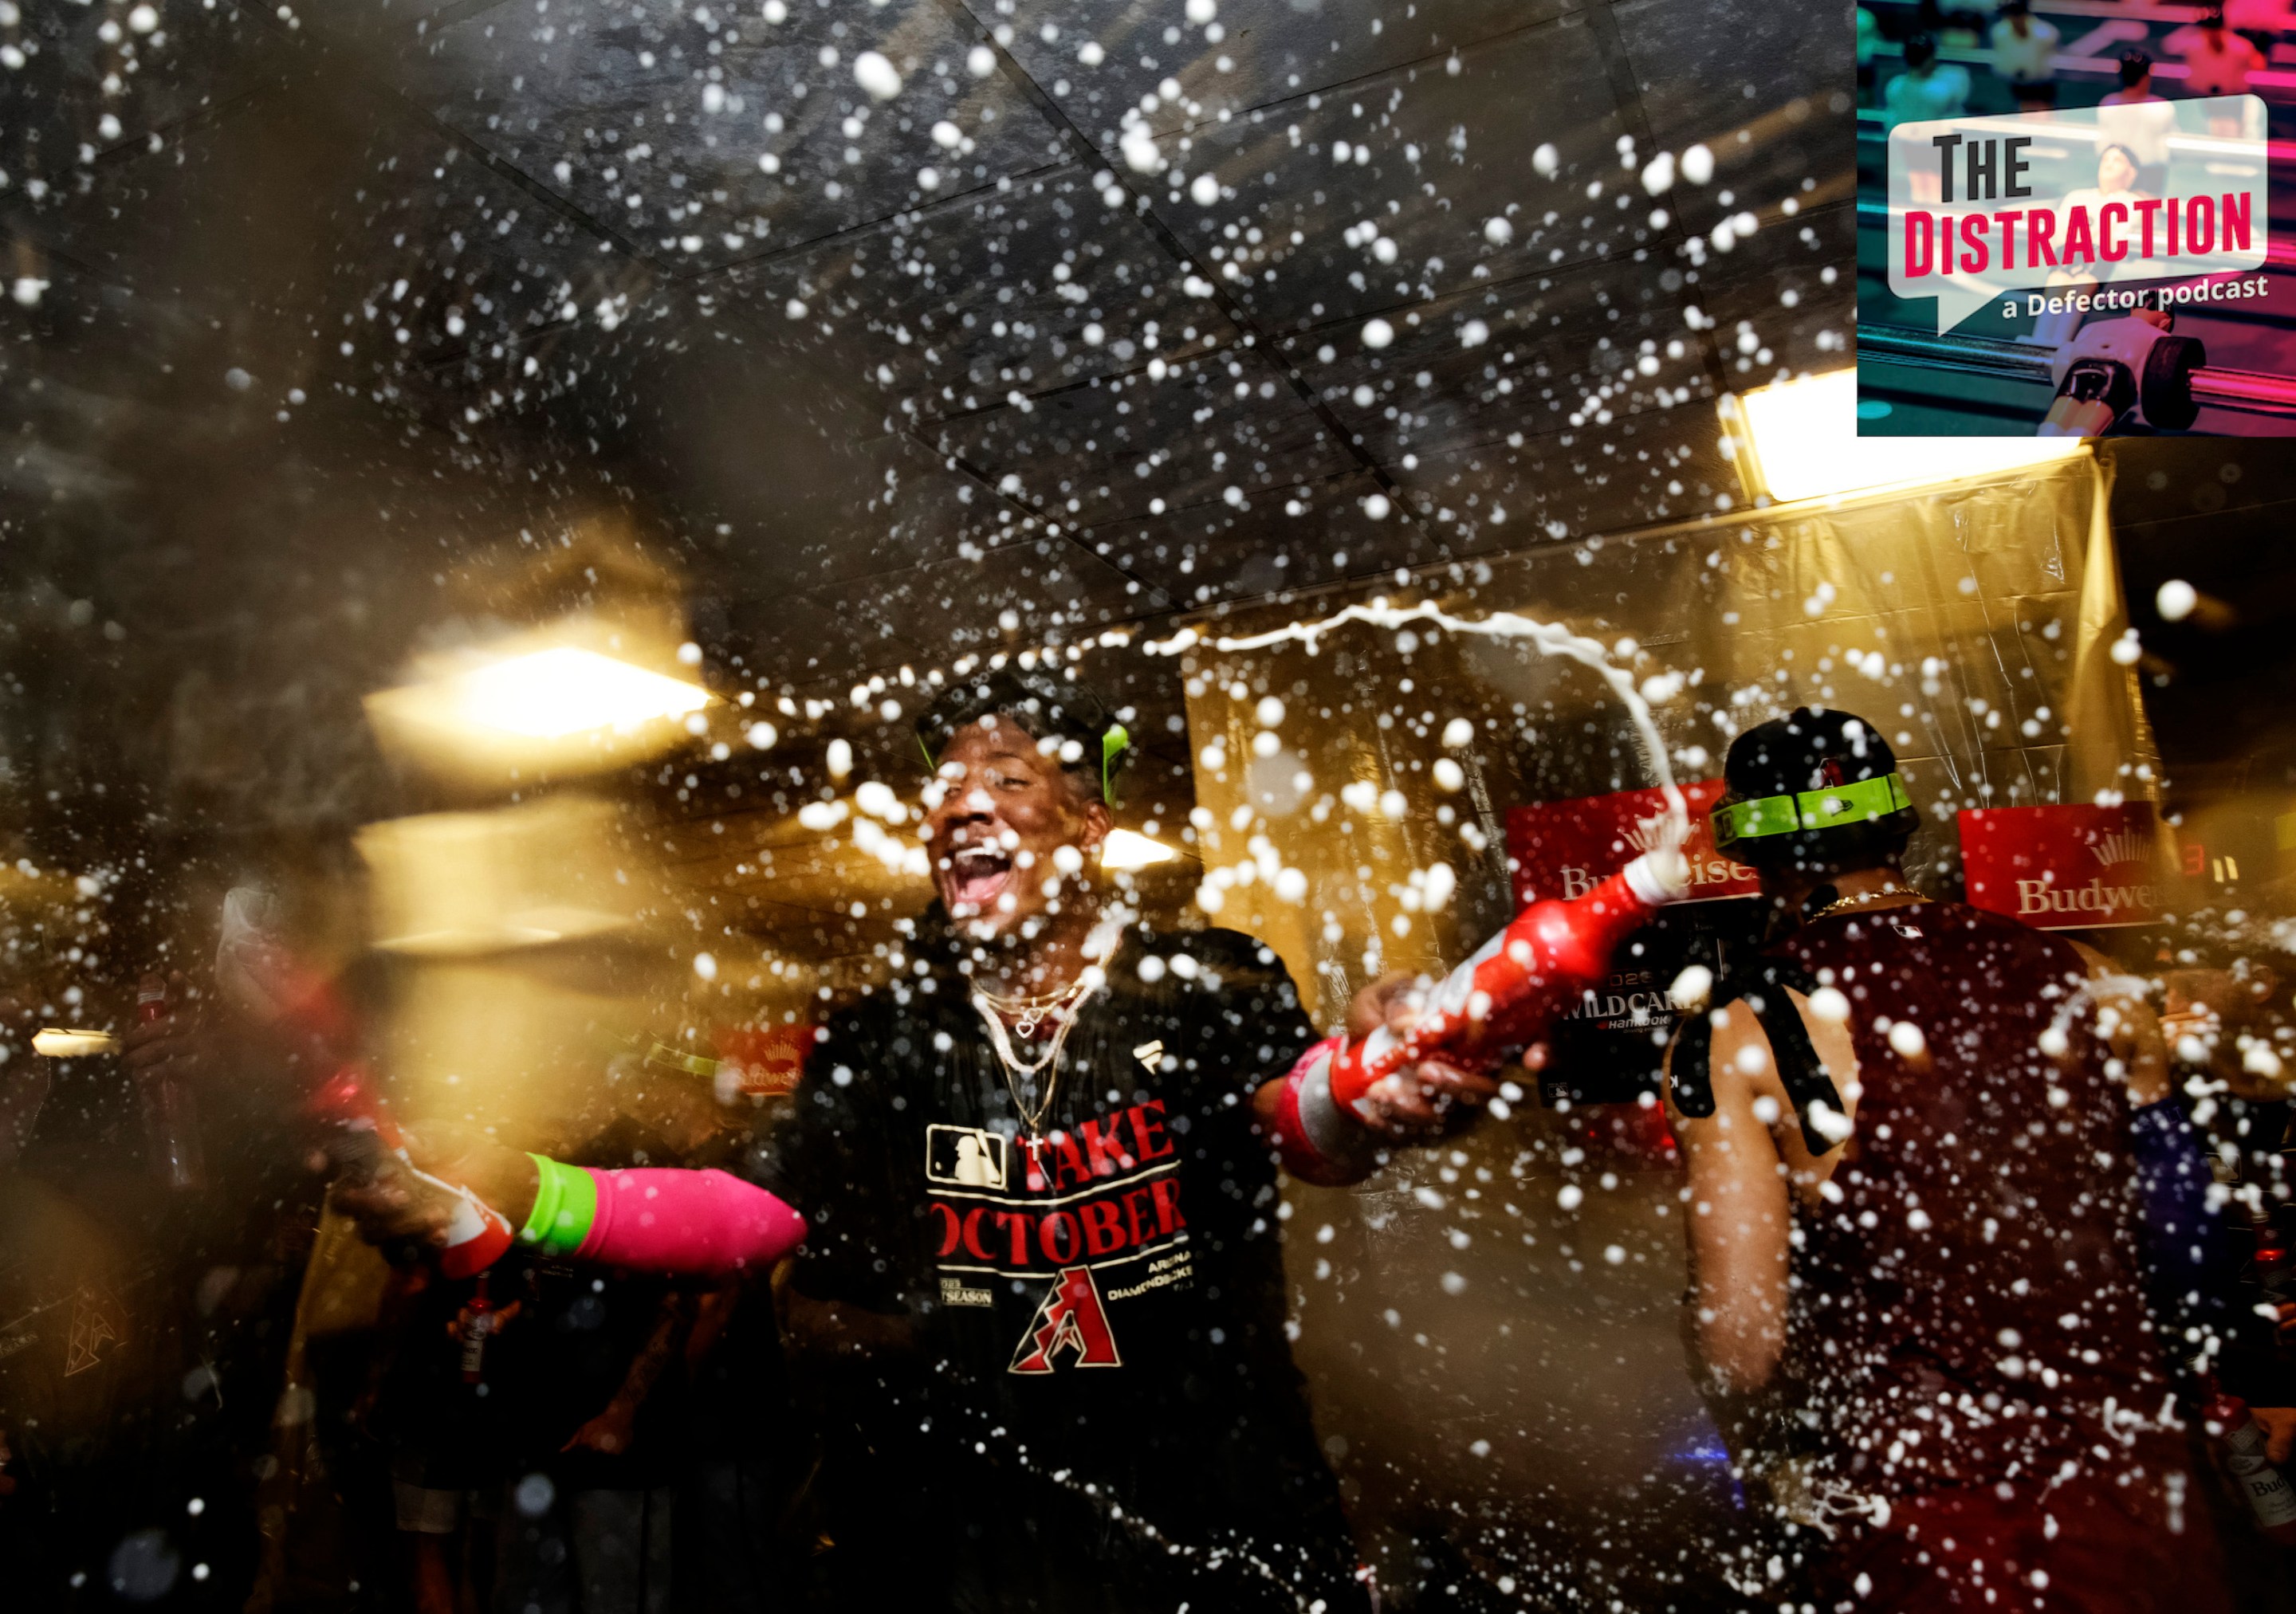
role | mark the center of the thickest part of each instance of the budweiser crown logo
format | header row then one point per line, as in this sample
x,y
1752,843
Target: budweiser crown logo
x,y
2122,845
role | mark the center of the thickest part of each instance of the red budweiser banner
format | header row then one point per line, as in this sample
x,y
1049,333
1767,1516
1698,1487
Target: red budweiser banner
x,y
1564,849
2068,868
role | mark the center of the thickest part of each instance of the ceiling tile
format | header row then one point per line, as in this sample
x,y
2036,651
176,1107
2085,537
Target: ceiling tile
x,y
1582,341
1646,468
997,292
1280,173
1116,447
1766,91
1057,588
1292,538
655,120
1271,52
1784,301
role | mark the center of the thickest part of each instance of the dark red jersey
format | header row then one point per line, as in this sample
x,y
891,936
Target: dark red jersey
x,y
1967,1306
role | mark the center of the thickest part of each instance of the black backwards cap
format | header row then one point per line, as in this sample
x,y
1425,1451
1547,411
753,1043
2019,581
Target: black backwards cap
x,y
1050,707
1816,786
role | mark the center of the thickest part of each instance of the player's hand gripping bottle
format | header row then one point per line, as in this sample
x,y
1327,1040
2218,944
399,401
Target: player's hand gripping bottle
x,y
366,1143
270,986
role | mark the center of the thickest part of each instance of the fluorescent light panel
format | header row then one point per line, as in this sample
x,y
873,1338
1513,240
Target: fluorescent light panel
x,y
1125,850
58,1042
1805,444
551,694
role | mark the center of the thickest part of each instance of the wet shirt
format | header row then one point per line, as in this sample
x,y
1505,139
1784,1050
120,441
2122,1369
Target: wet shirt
x,y
1966,1304
1097,1301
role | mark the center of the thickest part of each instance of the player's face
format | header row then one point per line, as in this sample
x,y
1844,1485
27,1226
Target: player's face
x,y
2113,172
1012,831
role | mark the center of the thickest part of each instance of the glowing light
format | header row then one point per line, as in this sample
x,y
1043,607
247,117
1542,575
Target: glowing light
x,y
53,1042
1799,441
1125,850
552,693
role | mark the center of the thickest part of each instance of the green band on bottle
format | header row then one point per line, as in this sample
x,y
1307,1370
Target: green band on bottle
x,y
565,1204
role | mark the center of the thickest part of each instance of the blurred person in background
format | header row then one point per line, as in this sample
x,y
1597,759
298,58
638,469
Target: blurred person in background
x,y
2024,56
2217,61
745,1513
445,1440
1928,88
2135,116
593,1384
2261,23
149,1293
2229,1029
1918,1271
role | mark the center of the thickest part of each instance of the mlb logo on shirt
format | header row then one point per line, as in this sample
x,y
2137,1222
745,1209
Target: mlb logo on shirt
x,y
965,1157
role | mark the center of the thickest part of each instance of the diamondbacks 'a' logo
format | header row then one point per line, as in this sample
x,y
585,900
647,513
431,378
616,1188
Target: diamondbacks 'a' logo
x,y
1072,1318
96,1321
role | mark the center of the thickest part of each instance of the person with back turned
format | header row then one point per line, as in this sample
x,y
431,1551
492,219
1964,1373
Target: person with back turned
x,y
1919,1281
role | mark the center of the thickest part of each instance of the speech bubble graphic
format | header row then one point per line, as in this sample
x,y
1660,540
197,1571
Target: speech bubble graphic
x,y
2070,199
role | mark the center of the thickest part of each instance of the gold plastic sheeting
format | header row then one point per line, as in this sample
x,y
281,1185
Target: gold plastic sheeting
x,y
523,969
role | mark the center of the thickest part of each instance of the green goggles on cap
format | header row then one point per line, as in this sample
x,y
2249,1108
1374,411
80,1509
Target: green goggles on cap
x,y
1825,809
1112,745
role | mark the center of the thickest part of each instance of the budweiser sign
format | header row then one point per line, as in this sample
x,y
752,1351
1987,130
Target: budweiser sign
x,y
763,1060
1565,848
2068,868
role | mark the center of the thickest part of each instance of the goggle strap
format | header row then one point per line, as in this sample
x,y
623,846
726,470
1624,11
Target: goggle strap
x,y
1111,746
1861,802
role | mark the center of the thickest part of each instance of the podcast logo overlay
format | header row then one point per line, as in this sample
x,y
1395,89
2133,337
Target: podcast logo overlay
x,y
2143,206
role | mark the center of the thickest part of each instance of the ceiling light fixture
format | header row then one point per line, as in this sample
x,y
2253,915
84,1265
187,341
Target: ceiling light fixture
x,y
551,694
57,1042
1798,439
1125,850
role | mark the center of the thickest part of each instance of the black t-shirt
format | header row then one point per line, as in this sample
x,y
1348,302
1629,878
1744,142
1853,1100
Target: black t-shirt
x,y
739,1405
1098,1306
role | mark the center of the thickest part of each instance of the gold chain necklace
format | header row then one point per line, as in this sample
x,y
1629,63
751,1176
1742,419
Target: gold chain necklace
x,y
1865,898
1028,1013
1066,1003
1047,1063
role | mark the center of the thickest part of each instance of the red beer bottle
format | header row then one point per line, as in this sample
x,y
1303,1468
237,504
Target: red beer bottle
x,y
171,1128
1520,982
477,1323
2270,1498
2275,1261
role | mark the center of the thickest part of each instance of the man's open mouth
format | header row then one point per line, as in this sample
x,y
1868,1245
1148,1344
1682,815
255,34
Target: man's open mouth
x,y
976,874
